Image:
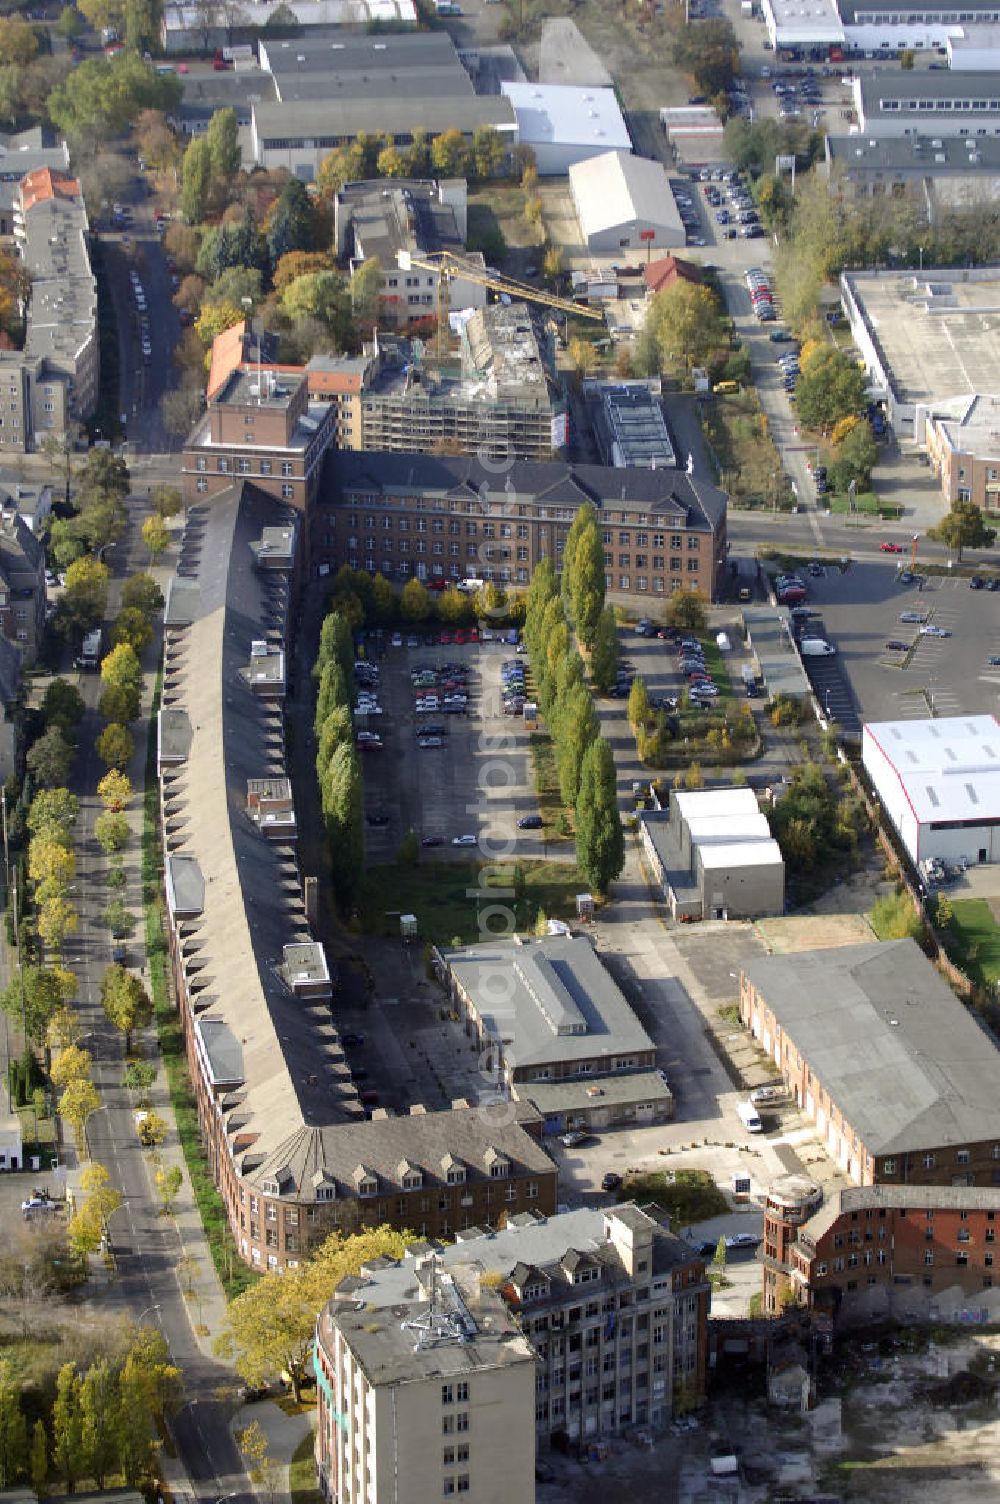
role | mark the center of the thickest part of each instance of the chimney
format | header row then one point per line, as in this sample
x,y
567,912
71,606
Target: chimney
x,y
310,900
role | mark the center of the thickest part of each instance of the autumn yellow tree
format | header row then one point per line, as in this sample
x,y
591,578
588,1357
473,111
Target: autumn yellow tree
x,y
115,790
80,1099
70,1064
270,1326
99,1203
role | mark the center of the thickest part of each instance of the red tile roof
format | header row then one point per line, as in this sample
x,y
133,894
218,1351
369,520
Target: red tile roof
x,y
666,271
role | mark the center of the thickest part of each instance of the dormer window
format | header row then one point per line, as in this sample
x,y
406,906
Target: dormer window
x,y
413,1180
368,1186
270,1188
456,1175
324,1193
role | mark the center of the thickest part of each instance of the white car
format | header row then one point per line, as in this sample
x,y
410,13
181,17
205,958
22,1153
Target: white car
x,y
932,631
919,617
397,640
464,840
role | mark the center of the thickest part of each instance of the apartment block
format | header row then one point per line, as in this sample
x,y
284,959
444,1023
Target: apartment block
x,y
884,1059
398,223
53,381
22,584
875,1252
433,517
294,1151
502,399
615,1308
427,1399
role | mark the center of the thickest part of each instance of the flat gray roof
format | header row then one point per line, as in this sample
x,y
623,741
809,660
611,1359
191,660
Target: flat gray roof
x,y
770,635
558,1001
949,90
305,962
854,12
185,884
929,156
557,1097
899,1054
174,734
342,119
62,310
631,425
485,1336
938,331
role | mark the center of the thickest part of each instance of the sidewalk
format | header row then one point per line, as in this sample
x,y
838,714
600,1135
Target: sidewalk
x,y
284,1434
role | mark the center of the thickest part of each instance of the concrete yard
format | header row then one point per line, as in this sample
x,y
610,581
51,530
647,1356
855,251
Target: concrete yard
x,y
566,57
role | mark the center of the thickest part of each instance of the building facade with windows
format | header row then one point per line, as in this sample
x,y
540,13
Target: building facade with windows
x,y
292,1148
880,1252
424,1399
260,425
964,449
389,219
52,383
429,517
22,584
552,1024
614,1306
884,1059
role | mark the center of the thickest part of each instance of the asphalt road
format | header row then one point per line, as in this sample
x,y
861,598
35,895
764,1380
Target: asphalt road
x,y
142,384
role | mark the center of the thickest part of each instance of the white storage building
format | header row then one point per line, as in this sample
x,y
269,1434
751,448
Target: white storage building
x,y
939,783
620,198
563,124
714,855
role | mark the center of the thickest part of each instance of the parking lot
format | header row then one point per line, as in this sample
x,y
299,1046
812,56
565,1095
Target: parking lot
x,y
860,613
447,771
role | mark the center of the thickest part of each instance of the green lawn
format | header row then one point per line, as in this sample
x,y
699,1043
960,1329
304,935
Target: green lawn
x,y
973,939
865,504
550,805
302,1474
447,896
686,1196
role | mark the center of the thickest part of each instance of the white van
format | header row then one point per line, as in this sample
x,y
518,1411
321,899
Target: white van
x,y
749,1117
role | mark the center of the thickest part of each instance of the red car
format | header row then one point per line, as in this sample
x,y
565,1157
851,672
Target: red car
x,y
444,639
460,638
891,548
473,635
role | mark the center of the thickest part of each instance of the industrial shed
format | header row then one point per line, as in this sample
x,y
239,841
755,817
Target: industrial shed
x,y
624,203
714,856
563,124
939,783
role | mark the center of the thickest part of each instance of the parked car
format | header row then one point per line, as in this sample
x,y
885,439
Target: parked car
x,y
575,1137
466,840
611,1181
530,822
891,548
742,1240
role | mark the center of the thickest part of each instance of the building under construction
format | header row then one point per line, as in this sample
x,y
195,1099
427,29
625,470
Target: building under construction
x,y
502,398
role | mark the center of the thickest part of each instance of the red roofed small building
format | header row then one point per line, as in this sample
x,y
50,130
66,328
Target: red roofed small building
x,y
668,270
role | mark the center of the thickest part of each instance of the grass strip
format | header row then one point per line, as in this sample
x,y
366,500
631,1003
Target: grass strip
x,y
232,1272
302,1473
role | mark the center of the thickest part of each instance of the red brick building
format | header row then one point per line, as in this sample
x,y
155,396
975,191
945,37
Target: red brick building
x,y
882,1057
880,1251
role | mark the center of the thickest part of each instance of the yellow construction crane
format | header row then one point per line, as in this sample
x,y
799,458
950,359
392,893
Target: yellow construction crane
x,y
449,267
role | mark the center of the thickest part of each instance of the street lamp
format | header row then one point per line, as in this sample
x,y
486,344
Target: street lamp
x,y
154,1307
